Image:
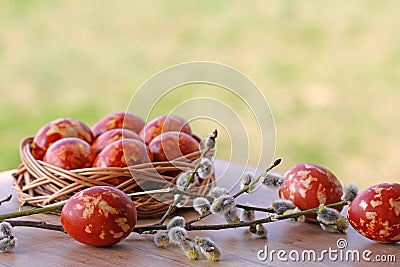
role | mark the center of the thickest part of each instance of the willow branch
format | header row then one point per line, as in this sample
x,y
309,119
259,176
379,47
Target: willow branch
x,y
8,198
244,190
155,227
245,207
191,177
37,224
247,187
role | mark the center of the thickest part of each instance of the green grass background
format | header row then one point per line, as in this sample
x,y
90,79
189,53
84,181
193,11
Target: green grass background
x,y
329,69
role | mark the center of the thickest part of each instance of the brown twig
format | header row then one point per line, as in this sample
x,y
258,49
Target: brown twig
x,y
8,198
245,207
179,198
37,224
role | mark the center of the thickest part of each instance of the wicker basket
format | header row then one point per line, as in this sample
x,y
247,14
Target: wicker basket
x,y
39,183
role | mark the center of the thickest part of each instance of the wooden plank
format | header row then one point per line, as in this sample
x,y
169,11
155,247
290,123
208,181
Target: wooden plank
x,y
37,247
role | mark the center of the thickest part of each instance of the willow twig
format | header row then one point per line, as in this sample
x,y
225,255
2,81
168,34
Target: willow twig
x,y
244,190
155,227
8,198
191,177
37,224
245,207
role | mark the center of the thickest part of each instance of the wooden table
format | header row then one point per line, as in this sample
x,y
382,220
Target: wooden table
x,y
37,247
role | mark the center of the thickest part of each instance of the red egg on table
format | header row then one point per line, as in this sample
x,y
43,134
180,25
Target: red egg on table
x,y
117,120
309,185
56,130
99,216
375,213
70,153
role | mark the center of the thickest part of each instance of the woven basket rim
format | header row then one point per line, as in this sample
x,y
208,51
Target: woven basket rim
x,y
39,183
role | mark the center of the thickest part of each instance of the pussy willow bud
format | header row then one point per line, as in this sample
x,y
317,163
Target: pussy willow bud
x,y
190,249
5,229
7,243
183,180
216,192
350,191
342,224
248,215
272,181
177,234
201,205
184,200
246,180
161,239
176,221
282,205
231,216
261,231
209,249
222,204
206,168
327,215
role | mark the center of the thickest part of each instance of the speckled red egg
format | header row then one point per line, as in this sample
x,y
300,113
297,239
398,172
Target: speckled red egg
x,y
162,124
57,129
70,153
117,120
375,213
113,135
171,145
309,185
99,216
122,153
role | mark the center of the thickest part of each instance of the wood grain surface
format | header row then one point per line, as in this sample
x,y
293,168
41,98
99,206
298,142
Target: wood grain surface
x,y
37,247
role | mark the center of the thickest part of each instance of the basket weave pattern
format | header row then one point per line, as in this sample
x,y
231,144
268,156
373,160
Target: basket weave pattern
x,y
39,183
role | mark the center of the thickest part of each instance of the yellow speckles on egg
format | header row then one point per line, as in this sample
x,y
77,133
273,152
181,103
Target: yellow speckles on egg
x,y
129,206
363,204
321,194
102,235
88,211
116,235
302,193
292,188
375,203
307,181
303,174
115,196
384,232
395,205
322,171
78,207
371,215
105,208
122,224
378,192
362,222
88,228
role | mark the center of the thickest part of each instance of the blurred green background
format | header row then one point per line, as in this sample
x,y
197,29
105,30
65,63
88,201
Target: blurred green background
x,y
330,70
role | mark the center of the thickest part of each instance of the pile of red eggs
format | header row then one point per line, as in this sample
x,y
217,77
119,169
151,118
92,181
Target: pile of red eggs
x,y
118,140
